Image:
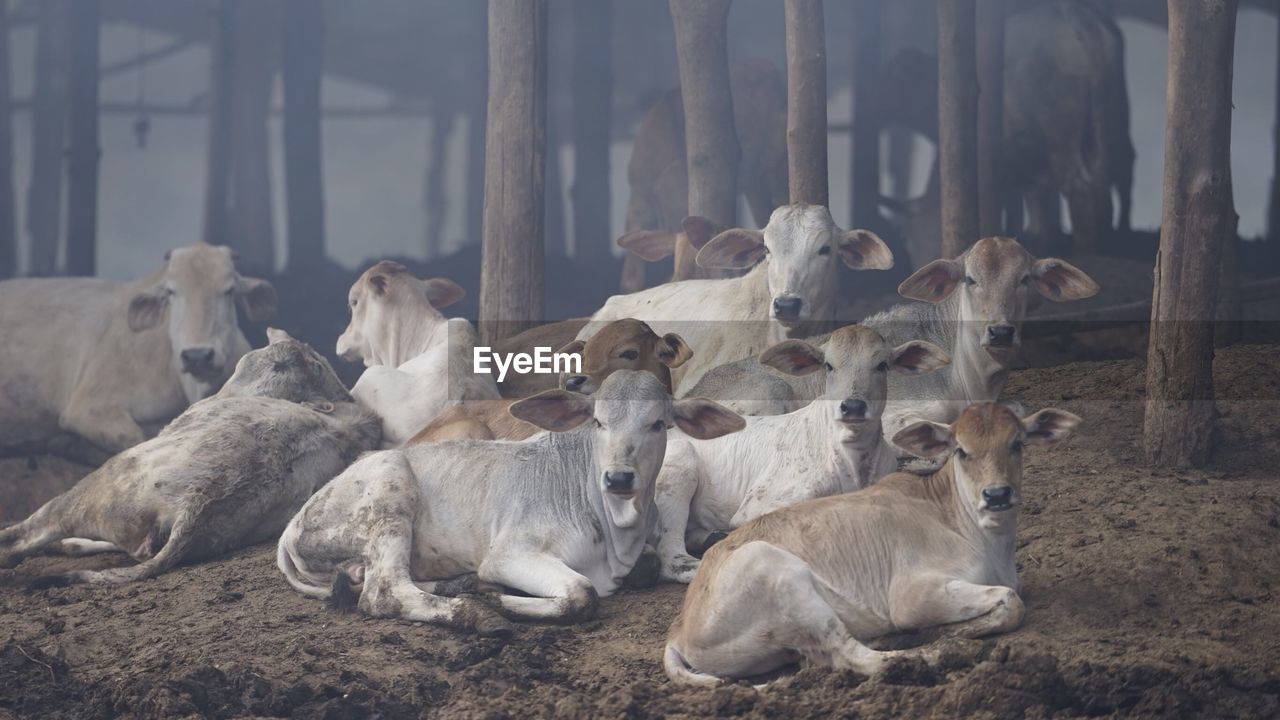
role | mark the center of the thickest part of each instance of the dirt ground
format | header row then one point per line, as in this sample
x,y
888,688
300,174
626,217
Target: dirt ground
x,y
1149,593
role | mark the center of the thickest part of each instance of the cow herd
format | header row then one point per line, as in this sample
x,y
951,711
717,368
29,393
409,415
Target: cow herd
x,y
429,492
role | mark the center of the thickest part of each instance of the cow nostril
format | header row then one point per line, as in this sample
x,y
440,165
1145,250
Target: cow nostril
x,y
787,307
853,408
997,496
619,481
1001,334
197,357
574,382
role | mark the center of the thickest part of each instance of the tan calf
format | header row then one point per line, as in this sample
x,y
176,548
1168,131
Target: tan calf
x,y
621,345
813,581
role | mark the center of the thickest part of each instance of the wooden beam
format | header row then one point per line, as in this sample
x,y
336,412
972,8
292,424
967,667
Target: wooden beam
x,y
957,125
511,270
302,70
48,134
592,130
711,137
1197,219
256,42
218,138
865,140
8,210
806,43
84,149
989,50
146,58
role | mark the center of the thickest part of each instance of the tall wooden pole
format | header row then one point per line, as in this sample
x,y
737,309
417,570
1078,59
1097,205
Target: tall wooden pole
x,y
865,140
806,101
218,135
254,63
476,98
1273,207
48,131
957,125
990,59
1197,219
592,123
8,211
511,289
84,150
302,70
711,138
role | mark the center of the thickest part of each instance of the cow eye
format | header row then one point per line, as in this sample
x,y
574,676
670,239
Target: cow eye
x,y
1016,447
825,250
960,453
353,303
968,280
597,422
1025,279
629,354
882,367
827,365
658,426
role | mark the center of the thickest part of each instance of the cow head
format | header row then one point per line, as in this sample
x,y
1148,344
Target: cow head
x,y
388,304
286,369
198,290
988,439
630,416
992,278
856,362
802,247
625,344
654,245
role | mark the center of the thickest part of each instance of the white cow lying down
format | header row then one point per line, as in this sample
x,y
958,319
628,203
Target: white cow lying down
x,y
561,516
833,445
227,473
813,581
418,361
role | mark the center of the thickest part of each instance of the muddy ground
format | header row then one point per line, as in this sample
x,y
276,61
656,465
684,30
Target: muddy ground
x,y
1150,593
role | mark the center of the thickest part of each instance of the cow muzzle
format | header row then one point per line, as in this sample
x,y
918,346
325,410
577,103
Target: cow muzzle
x,y
579,384
787,309
997,498
620,482
200,362
853,411
1002,335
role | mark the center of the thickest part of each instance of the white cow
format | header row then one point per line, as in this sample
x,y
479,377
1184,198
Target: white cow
x,y
833,445
561,517
791,290
814,581
418,361
228,472
112,362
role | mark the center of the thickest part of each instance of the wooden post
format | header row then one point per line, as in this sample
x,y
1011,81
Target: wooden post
x,y
1273,207
807,101
865,139
1197,219
990,59
511,291
84,150
218,147
48,129
442,122
302,70
8,211
476,99
711,138
592,125
957,125
254,59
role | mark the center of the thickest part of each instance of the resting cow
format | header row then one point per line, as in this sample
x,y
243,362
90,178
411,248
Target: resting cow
x,y
417,360
833,445
790,291
228,472
110,363
561,517
814,581
621,345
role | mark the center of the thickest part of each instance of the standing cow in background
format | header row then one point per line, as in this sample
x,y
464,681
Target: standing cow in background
x,y
111,362
659,179
1066,124
417,359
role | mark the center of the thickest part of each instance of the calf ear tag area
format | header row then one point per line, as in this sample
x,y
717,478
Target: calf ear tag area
x,y
320,407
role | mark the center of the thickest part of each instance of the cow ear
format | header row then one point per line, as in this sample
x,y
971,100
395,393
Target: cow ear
x,y
703,419
794,357
1059,280
275,335
1049,426
146,309
864,250
918,357
925,438
574,348
698,230
650,245
554,410
442,292
934,282
735,249
257,298
672,350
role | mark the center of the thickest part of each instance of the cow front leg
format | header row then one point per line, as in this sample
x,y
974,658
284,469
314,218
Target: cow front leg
x,y
558,592
677,482
961,608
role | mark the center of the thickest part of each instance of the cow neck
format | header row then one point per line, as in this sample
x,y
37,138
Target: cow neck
x,y
413,332
855,460
977,375
996,545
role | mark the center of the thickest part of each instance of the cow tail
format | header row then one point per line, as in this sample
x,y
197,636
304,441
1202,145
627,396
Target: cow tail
x,y
680,672
294,571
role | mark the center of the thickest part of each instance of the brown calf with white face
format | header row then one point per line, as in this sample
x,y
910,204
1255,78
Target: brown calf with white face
x,y
621,345
816,580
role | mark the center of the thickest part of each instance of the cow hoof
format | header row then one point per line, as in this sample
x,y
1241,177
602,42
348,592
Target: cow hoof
x,y
483,621
45,582
680,569
712,539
